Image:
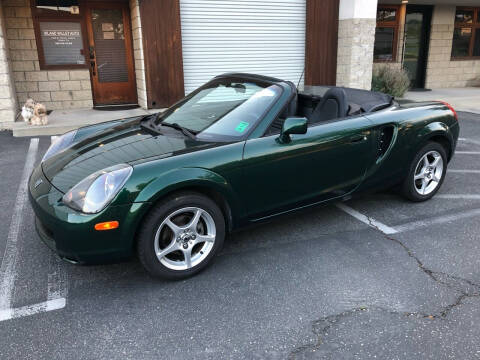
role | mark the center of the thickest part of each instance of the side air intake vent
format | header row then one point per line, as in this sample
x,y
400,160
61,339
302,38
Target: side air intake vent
x,y
384,140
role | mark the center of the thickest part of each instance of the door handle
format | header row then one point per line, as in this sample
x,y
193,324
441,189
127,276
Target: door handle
x,y
358,138
92,64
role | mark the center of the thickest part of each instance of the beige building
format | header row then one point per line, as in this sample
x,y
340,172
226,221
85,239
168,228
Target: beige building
x,y
450,49
75,54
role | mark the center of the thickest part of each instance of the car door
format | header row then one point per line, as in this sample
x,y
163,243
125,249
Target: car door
x,y
329,161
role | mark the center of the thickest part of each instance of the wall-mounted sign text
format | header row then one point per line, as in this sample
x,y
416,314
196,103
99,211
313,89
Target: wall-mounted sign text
x,y
62,43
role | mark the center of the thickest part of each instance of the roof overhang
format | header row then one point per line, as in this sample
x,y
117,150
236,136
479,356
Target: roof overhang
x,y
434,2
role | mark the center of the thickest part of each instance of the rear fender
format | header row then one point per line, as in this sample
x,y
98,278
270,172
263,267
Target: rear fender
x,y
432,130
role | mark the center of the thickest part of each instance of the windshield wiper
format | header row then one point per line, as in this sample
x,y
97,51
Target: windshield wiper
x,y
184,130
146,124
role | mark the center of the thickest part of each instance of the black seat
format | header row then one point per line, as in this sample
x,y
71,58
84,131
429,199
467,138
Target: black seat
x,y
332,106
277,124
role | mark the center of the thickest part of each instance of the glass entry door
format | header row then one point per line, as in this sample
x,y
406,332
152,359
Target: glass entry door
x,y
417,33
110,54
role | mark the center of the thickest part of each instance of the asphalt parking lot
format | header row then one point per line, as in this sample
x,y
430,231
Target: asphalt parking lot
x,y
375,277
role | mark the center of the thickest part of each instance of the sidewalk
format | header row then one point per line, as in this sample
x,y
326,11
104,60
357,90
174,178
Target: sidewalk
x,y
462,99
61,121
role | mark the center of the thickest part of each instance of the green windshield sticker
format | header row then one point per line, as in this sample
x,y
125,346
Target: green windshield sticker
x,y
241,126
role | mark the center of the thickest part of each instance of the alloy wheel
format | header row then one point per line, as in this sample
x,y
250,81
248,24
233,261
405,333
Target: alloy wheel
x,y
428,172
185,238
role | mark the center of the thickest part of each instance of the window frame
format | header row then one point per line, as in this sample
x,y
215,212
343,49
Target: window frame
x,y
45,15
474,26
389,24
253,79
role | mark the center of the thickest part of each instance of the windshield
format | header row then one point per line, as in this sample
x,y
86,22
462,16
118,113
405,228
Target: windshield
x,y
223,109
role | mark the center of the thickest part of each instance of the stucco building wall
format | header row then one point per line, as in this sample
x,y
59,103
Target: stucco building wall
x,y
442,72
59,89
8,106
356,38
355,53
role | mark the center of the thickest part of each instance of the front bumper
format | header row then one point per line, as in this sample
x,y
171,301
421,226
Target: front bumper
x,y
72,234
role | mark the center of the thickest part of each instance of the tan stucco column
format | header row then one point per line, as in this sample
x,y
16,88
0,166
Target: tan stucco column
x,y
356,37
138,53
8,104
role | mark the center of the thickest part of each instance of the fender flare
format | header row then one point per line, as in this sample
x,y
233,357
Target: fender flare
x,y
191,177
432,130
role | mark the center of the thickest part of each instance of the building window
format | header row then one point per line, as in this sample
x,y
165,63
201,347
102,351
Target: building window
x,y
466,34
56,6
59,33
386,34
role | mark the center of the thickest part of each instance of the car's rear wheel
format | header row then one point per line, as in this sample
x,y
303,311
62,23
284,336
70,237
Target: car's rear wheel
x,y
427,172
180,236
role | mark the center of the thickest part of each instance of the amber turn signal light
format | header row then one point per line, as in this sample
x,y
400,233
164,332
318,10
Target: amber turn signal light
x,y
109,225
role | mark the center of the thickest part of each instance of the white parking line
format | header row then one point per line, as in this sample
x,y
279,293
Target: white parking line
x,y
367,220
464,171
9,260
458,196
471,141
467,152
28,310
56,298
437,220
57,282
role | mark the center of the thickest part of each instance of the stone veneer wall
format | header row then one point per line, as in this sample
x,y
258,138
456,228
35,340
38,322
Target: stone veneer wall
x,y
57,89
8,106
442,72
138,53
355,52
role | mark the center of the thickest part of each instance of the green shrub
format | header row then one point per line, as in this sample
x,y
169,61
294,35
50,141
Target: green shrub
x,y
390,80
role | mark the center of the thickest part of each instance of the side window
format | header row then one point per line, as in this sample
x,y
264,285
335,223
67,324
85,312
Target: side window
x,y
276,126
307,104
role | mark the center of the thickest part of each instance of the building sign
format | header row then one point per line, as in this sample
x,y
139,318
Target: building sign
x,y
62,43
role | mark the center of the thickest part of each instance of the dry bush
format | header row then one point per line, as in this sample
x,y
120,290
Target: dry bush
x,y
393,81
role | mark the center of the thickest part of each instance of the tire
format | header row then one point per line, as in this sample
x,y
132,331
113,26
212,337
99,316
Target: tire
x,y
424,180
184,223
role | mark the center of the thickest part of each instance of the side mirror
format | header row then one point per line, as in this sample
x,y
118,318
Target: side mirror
x,y
292,125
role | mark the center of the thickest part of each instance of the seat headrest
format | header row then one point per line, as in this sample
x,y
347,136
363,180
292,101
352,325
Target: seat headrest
x,y
340,96
332,106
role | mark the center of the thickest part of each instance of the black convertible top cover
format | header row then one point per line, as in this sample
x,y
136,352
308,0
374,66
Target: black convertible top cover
x,y
368,100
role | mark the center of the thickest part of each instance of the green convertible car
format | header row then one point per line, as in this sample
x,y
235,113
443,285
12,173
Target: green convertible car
x,y
240,149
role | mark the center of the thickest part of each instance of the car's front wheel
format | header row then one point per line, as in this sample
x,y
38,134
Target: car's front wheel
x,y
181,235
427,172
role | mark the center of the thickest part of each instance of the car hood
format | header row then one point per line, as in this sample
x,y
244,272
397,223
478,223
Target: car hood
x,y
124,142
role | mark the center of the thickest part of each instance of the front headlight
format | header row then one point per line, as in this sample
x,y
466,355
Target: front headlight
x,y
59,144
93,193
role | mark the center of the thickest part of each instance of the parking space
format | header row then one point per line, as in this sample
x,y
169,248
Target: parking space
x,y
375,276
